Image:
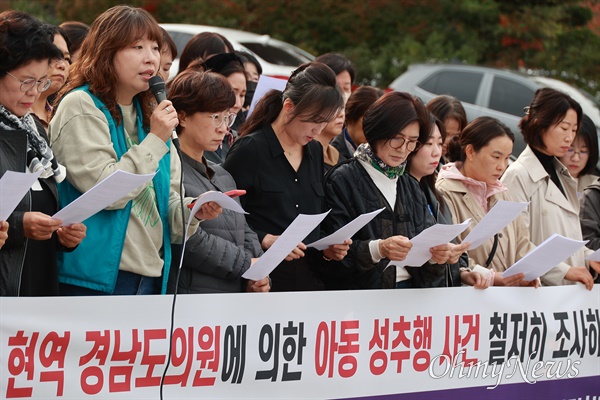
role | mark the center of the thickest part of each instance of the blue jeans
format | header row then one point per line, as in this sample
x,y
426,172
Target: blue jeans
x,y
128,284
404,284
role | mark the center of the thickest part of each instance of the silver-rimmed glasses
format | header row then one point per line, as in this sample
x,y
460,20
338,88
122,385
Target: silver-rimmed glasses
x,y
398,141
27,84
225,117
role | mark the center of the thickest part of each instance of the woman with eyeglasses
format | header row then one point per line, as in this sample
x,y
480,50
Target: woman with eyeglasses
x,y
220,251
280,166
582,156
394,126
549,127
30,237
105,121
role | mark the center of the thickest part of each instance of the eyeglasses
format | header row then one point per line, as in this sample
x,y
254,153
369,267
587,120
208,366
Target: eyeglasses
x,y
582,153
27,84
226,117
397,142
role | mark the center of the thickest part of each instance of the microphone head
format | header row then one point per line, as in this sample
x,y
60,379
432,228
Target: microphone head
x,y
157,87
157,84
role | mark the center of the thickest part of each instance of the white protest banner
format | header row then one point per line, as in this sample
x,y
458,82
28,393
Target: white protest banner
x,y
450,343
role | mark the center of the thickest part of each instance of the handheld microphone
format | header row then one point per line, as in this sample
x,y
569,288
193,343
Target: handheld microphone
x,y
157,87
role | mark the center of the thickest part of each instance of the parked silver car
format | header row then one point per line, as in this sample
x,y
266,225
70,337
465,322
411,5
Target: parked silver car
x,y
483,91
493,92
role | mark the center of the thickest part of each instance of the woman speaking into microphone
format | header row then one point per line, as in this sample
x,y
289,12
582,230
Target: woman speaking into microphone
x,y
105,122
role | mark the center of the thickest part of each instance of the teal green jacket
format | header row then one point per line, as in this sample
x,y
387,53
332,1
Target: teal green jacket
x,y
95,262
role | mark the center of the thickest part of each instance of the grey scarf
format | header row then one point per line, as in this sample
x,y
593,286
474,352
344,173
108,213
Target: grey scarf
x,y
39,154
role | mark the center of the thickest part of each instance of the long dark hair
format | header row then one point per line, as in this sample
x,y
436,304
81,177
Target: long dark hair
x,y
587,132
428,182
313,90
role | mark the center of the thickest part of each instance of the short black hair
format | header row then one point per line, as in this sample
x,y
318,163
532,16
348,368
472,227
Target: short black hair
x,y
24,39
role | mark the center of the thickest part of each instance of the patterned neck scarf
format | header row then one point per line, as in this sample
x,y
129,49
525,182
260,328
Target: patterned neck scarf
x,y
39,154
365,153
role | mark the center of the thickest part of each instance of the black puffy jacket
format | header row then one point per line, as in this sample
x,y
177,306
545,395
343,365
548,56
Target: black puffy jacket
x,y
350,192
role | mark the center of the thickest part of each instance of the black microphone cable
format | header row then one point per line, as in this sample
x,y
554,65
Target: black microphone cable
x,y
157,86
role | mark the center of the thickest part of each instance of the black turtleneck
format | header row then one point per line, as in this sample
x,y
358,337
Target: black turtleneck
x,y
546,162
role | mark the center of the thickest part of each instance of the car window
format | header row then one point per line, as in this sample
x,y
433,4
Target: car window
x,y
460,84
274,54
180,39
509,96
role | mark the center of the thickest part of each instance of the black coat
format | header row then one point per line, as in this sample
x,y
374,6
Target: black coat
x,y
589,215
350,192
19,253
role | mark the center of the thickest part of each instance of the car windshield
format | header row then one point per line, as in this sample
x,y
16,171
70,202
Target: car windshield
x,y
275,54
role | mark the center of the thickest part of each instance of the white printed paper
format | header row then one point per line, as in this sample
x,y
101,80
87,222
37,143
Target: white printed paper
x,y
220,198
111,189
433,236
265,83
13,187
595,256
502,214
546,256
289,239
346,231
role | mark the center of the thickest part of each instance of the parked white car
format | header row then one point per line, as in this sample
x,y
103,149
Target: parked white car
x,y
278,59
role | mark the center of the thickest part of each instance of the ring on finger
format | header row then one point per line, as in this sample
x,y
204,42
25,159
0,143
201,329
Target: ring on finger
x,y
168,109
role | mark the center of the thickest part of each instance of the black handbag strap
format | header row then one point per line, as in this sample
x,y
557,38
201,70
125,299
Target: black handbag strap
x,y
493,252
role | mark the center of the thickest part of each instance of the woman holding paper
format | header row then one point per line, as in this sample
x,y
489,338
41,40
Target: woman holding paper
x,y
105,122
223,249
549,128
30,237
422,165
471,187
394,126
279,165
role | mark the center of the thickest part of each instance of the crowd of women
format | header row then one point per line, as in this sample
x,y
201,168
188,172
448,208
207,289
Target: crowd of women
x,y
75,104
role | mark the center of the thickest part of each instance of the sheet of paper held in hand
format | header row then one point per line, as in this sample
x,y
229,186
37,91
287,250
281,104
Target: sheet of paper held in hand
x,y
430,237
220,198
502,214
546,256
111,189
265,83
289,239
13,187
346,231
595,256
